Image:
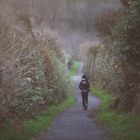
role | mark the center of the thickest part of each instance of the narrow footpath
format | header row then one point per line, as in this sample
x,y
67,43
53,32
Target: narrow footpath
x,y
74,123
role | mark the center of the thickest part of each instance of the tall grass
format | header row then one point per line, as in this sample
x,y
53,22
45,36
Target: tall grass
x,y
122,126
32,70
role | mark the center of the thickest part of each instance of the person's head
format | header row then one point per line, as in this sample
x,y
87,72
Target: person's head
x,y
84,76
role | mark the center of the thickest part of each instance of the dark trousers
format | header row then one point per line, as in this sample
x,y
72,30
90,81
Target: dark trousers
x,y
84,99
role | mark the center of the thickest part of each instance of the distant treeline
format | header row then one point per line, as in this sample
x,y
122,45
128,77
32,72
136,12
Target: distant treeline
x,y
62,14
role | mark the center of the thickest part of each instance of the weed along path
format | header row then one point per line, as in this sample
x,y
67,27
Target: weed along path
x,y
74,123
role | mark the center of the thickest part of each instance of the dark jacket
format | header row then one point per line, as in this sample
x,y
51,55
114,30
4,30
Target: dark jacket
x,y
84,85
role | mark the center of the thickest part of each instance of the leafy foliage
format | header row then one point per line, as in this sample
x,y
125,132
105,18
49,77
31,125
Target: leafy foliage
x,y
126,42
32,69
114,65
108,20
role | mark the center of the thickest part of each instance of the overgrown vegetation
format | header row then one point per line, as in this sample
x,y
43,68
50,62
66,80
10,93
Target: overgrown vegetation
x,y
114,64
33,75
122,126
127,45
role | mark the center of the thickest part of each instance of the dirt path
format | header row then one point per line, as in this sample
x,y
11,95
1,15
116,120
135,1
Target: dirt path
x,y
76,124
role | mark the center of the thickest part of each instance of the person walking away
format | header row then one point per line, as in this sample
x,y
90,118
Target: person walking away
x,y
84,87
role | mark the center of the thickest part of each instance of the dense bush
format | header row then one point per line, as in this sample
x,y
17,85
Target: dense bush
x,y
126,42
32,70
100,67
108,20
115,66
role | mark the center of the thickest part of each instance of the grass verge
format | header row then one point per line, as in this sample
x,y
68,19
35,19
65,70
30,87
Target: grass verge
x,y
32,127
122,126
74,68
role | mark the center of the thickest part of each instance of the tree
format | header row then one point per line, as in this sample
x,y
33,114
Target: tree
x,y
126,42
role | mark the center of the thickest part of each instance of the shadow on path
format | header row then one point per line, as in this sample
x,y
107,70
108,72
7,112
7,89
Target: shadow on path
x,y
74,123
